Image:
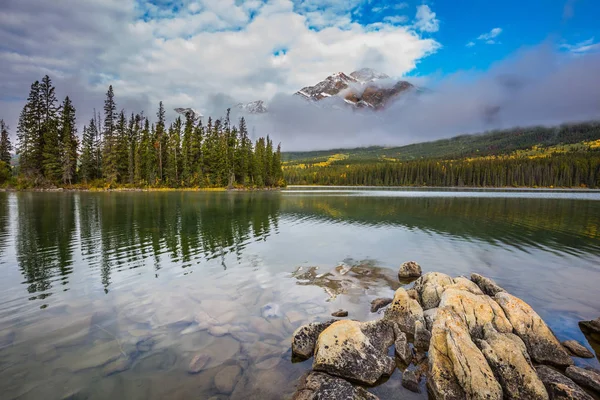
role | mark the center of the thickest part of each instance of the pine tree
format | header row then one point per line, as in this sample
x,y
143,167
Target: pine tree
x,y
174,154
160,139
68,142
29,135
5,145
109,154
88,168
186,150
51,157
121,148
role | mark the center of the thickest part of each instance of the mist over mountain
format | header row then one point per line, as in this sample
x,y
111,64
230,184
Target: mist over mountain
x,y
536,86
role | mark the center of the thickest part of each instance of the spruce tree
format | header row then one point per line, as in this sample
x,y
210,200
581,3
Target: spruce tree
x,y
109,154
69,142
29,135
51,156
160,139
88,167
5,145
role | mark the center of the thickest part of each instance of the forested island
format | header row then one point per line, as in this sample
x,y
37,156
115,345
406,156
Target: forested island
x,y
563,156
118,150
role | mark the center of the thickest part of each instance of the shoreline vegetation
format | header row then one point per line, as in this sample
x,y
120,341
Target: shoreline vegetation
x,y
117,151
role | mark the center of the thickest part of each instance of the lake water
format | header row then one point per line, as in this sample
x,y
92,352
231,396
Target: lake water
x,y
111,295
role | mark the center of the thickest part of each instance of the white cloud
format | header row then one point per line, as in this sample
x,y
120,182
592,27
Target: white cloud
x,y
470,44
490,35
209,49
396,19
585,46
426,20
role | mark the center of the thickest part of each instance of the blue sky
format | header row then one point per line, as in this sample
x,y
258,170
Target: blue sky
x,y
213,54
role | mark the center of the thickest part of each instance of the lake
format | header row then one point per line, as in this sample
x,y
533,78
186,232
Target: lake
x,y
112,295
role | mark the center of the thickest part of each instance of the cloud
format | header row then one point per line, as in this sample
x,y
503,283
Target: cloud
x,y
490,35
539,86
426,20
188,53
470,44
585,46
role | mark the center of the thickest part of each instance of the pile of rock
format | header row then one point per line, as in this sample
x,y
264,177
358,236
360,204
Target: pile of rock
x,y
469,338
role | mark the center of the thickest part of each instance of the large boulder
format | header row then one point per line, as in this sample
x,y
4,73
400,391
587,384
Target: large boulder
x,y
588,377
476,310
404,311
430,288
320,386
409,269
457,368
542,345
304,338
487,285
507,355
356,350
560,387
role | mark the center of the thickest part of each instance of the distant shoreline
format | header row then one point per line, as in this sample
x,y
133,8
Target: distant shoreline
x,y
92,190
453,188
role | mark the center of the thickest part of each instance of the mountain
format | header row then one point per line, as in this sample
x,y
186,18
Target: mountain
x,y
365,88
186,111
254,107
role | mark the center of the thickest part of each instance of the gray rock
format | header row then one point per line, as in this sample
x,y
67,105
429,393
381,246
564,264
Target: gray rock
x,y
404,311
320,386
145,344
422,337
542,345
592,326
119,365
410,380
198,363
380,303
409,269
560,387
429,316
486,285
507,355
339,313
304,338
402,348
430,288
588,377
226,379
577,349
356,350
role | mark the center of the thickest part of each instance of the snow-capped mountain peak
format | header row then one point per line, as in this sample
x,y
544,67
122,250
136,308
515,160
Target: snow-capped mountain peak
x,y
366,75
254,107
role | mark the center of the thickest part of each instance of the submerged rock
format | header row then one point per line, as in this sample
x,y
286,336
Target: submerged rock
x,y
339,313
227,378
588,377
404,311
356,350
198,363
487,285
409,269
119,365
507,355
542,345
476,310
270,310
380,303
577,349
320,386
457,368
560,387
305,338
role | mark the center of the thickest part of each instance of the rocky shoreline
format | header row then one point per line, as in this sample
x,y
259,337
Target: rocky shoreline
x,y
459,338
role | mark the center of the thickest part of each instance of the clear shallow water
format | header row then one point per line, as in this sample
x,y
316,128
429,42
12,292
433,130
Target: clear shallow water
x,y
101,294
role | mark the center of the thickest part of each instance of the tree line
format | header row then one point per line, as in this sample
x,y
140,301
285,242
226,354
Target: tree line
x,y
117,149
580,169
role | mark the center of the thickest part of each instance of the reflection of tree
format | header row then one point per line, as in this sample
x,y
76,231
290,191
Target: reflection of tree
x,y
566,225
44,242
4,220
